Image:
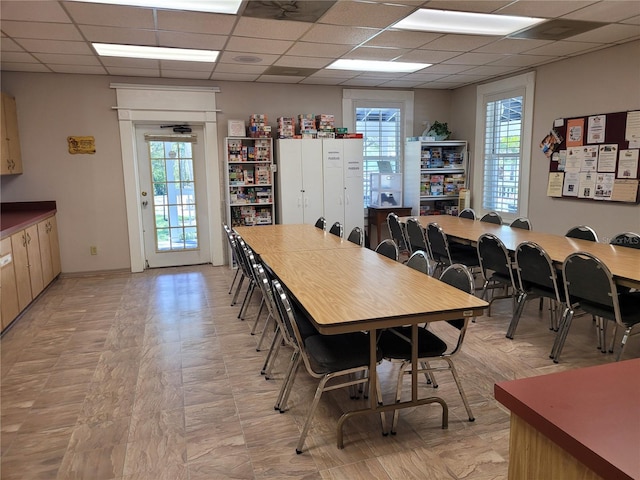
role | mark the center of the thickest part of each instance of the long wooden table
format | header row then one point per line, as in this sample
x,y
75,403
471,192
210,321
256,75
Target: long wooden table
x,y
349,290
624,262
291,238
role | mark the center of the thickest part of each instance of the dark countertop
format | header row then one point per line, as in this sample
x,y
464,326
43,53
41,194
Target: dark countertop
x,y
19,215
592,413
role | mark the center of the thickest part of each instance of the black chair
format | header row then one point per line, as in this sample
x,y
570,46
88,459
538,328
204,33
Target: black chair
x,y
326,357
234,258
589,284
419,260
583,232
389,249
395,343
521,222
336,229
537,277
356,236
397,233
321,223
496,267
468,213
416,235
492,217
626,239
443,254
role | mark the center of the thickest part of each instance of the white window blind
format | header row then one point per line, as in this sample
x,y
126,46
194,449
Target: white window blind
x,y
381,128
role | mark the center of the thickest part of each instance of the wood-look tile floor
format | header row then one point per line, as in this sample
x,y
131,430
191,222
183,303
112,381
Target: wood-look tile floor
x,y
153,376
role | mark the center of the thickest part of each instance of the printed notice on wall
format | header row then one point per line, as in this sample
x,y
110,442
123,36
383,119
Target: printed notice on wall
x,y
554,188
595,128
607,157
604,186
587,188
632,132
571,182
575,131
625,191
628,164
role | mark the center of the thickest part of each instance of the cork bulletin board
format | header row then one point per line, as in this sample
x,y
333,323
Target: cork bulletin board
x,y
595,157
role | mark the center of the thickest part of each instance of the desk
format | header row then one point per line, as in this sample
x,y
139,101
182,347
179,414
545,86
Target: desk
x,y
291,238
348,290
579,424
377,216
624,262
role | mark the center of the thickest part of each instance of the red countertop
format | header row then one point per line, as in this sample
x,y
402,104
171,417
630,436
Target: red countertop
x,y
593,413
19,215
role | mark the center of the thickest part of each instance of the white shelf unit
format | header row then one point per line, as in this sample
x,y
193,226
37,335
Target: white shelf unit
x,y
320,177
434,174
249,181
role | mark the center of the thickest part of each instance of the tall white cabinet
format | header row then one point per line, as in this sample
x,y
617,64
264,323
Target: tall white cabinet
x,y
320,177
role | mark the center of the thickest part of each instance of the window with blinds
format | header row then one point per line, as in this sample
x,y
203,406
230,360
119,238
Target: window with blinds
x,y
381,128
502,153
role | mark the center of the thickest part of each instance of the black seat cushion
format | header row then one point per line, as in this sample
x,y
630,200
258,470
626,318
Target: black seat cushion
x,y
393,346
332,353
629,308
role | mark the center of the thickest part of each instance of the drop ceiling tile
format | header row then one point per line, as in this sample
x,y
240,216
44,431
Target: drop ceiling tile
x,y
127,36
387,76
632,21
18,57
486,6
258,45
123,62
46,31
608,11
326,50
234,77
428,56
448,69
401,84
441,85
279,79
78,69
375,53
110,15
8,45
191,66
61,59
492,70
524,60
339,34
24,67
168,73
362,82
195,22
512,45
265,59
304,62
464,79
341,74
134,72
191,40
609,34
460,43
425,76
240,68
562,48
542,8
364,14
34,11
54,46
402,39
320,81
475,58
267,28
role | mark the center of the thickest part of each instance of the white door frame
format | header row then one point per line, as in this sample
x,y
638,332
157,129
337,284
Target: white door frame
x,y
167,104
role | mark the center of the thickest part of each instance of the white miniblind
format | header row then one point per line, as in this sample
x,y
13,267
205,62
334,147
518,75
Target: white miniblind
x,y
502,151
381,128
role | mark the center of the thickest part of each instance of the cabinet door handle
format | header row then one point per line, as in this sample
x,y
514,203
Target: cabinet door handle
x,y
24,239
28,238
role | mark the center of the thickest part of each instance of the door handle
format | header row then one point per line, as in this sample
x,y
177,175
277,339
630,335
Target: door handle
x,y
145,203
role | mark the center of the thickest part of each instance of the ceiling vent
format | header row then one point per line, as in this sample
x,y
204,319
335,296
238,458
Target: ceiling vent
x,y
557,29
299,11
290,71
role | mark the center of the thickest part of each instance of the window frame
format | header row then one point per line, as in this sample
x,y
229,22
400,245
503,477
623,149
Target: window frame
x,y
519,85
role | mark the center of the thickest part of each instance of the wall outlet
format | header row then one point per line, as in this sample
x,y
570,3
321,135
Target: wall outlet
x,y
93,249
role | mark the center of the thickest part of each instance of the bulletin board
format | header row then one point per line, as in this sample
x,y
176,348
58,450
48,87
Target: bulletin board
x,y
594,157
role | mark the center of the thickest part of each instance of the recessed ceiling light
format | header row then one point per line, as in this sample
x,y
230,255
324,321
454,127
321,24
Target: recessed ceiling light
x,y
377,66
209,6
157,53
465,22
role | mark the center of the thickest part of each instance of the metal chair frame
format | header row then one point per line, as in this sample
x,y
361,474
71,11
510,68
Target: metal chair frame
x,y
521,222
337,229
468,213
496,268
356,236
417,239
492,217
321,223
582,232
389,249
419,260
397,233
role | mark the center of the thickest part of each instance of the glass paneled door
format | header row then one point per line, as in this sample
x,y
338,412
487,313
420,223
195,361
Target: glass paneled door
x,y
173,200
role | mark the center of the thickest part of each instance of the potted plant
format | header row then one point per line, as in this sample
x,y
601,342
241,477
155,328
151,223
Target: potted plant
x,y
439,130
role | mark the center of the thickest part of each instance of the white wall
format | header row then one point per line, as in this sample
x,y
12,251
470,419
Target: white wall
x,y
599,82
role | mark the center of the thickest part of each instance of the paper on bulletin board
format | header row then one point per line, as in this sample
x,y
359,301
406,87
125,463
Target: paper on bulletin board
x,y
595,128
632,132
625,191
607,157
628,164
554,187
575,132
589,158
571,182
604,186
587,187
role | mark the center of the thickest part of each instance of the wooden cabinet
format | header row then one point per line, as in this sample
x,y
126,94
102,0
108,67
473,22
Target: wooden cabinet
x,y
9,307
49,249
27,265
11,162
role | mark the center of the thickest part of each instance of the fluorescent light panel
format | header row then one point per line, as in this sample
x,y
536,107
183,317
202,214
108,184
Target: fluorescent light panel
x,y
465,22
377,66
209,6
156,53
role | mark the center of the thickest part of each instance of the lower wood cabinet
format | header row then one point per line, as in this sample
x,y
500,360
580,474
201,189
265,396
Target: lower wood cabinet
x,y
8,290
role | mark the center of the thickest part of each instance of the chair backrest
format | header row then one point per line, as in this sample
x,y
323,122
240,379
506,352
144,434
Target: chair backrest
x,y
535,269
419,260
415,232
356,236
321,223
396,231
626,239
288,325
241,255
336,229
389,249
459,276
521,222
583,232
231,238
264,283
468,213
438,244
492,217
494,256
587,280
